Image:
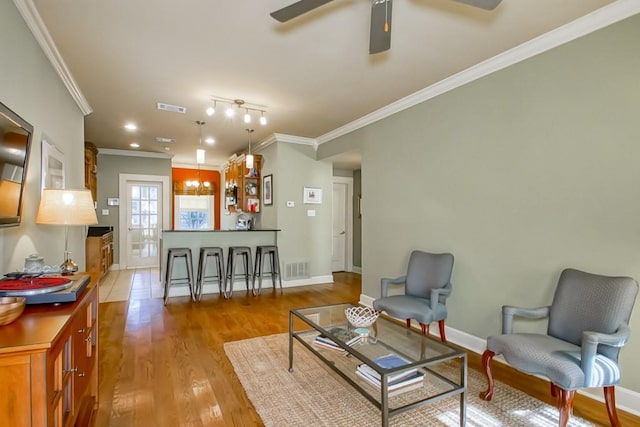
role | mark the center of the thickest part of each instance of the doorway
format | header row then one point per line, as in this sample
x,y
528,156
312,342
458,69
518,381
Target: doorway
x,y
144,213
342,229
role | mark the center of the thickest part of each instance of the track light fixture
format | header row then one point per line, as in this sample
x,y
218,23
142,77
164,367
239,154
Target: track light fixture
x,y
236,104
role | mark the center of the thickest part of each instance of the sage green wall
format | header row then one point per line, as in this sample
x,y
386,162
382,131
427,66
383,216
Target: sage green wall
x,y
519,174
109,169
302,238
30,86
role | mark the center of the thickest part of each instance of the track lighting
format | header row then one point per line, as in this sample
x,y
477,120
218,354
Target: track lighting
x,y
212,109
236,104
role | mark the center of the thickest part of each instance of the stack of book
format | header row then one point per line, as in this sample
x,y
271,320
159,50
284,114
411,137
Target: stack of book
x,y
401,382
340,333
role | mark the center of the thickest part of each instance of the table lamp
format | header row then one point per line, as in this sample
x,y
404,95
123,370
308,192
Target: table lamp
x,y
66,207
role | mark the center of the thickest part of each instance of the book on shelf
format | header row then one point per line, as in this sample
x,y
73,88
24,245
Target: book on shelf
x,y
387,362
412,382
340,333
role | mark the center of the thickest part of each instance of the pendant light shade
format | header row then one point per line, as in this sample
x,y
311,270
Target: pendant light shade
x,y
200,153
249,157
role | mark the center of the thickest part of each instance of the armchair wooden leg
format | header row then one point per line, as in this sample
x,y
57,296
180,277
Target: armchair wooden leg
x,y
486,363
610,400
443,338
408,323
565,405
425,328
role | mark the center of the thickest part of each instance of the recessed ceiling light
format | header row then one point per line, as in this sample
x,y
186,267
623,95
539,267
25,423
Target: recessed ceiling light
x,y
134,145
210,141
130,126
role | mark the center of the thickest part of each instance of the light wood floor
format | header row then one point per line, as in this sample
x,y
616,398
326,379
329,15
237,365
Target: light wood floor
x,y
166,366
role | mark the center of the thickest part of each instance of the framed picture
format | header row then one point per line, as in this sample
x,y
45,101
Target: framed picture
x,y
267,190
52,166
312,195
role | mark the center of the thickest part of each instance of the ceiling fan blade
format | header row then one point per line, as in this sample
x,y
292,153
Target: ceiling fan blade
x,y
296,9
380,33
482,4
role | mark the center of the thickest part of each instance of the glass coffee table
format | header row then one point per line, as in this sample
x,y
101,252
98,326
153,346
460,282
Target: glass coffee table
x,y
428,371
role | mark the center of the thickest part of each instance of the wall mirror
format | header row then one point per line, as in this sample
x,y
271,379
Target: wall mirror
x,y
15,143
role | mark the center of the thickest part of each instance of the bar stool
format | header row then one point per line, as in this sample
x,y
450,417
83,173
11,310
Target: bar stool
x,y
262,252
205,253
245,253
173,254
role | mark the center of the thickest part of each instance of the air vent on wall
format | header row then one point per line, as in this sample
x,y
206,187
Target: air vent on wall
x,y
296,270
172,108
165,140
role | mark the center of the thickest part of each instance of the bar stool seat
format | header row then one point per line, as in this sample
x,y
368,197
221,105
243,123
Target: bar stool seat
x,y
206,253
262,252
245,253
172,255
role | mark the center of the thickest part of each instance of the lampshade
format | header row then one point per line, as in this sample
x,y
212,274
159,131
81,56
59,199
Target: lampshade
x,y
66,207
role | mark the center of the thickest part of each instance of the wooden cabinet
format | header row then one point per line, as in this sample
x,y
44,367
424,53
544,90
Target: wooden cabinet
x,y
243,185
99,253
91,169
49,364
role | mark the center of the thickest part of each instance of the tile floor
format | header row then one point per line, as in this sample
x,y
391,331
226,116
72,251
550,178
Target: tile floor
x,y
135,284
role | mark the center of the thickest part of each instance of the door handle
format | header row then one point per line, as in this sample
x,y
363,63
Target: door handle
x,y
343,233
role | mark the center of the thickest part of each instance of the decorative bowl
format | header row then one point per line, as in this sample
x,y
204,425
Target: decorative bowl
x,y
10,309
360,316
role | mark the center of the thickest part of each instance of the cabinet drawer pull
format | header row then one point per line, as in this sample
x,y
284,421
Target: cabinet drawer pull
x,y
88,339
72,370
81,374
81,331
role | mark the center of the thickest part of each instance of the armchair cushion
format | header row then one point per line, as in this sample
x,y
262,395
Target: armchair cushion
x,y
408,307
553,358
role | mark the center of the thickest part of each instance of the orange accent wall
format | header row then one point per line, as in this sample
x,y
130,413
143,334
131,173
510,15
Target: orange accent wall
x,y
182,174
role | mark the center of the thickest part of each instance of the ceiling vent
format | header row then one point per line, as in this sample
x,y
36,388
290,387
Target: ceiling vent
x,y
172,108
165,140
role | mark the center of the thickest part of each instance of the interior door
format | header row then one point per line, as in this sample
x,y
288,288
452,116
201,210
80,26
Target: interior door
x,y
144,219
339,247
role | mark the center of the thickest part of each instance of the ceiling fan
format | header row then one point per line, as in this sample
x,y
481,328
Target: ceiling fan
x,y
380,32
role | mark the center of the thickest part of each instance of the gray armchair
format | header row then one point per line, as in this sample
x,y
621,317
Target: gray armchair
x,y
427,285
587,325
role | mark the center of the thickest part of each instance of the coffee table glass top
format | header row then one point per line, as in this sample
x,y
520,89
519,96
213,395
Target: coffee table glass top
x,y
386,336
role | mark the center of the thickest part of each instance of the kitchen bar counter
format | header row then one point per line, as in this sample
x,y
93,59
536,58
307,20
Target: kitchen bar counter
x,y
196,239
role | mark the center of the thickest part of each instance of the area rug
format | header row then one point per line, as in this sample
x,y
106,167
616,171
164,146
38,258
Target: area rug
x,y
314,395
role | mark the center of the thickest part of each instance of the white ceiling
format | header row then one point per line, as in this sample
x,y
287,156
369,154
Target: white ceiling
x,y
313,74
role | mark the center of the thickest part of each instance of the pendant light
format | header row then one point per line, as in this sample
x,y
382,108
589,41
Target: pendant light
x,y
249,158
200,153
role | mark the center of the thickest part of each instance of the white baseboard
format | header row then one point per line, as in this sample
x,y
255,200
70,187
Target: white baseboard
x,y
626,400
357,270
241,285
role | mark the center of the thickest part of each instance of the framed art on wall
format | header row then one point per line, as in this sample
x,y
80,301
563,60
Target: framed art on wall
x,y
52,166
267,190
312,195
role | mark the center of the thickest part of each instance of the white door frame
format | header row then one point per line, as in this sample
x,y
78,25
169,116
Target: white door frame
x,y
123,178
349,218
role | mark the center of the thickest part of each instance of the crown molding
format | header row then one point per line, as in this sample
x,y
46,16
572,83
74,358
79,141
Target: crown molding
x,y
290,139
40,32
605,16
131,153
